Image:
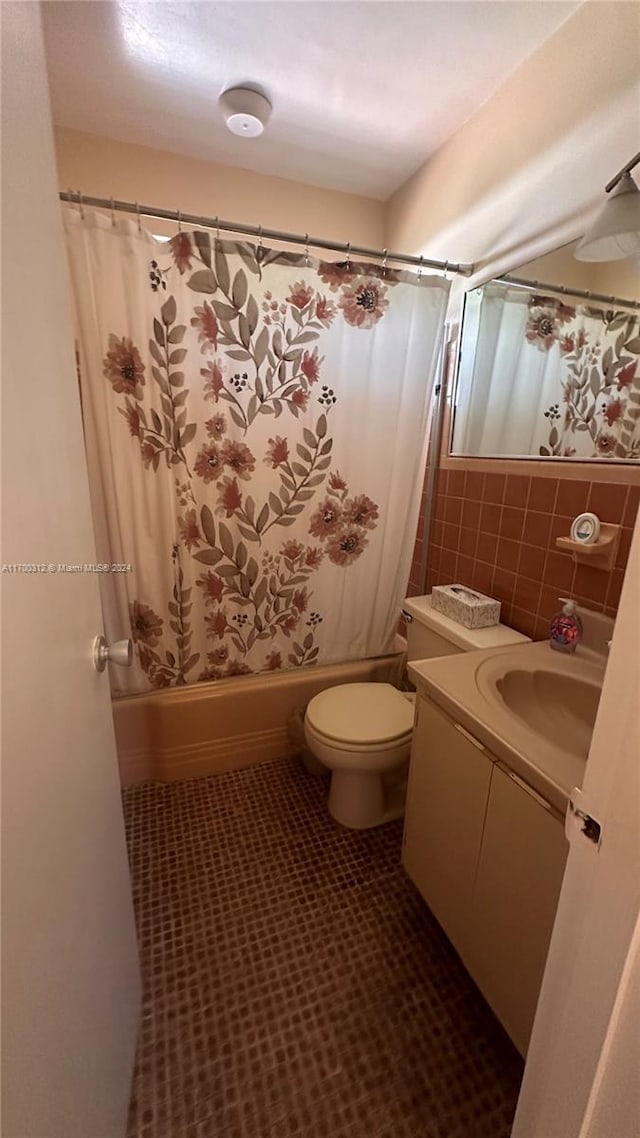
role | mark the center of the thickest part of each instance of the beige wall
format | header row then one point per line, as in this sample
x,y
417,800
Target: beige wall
x,y
102,167
537,153
613,278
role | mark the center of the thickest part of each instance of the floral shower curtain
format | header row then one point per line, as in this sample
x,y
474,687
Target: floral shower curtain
x,y
539,375
256,424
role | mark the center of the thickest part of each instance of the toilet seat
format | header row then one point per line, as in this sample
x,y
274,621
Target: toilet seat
x,y
361,717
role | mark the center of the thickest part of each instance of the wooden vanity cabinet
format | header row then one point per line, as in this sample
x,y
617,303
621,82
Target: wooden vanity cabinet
x,y
487,853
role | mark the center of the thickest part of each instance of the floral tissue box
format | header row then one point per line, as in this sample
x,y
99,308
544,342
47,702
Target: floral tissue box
x,y
465,606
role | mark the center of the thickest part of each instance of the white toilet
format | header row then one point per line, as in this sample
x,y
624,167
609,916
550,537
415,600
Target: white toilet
x,y
362,732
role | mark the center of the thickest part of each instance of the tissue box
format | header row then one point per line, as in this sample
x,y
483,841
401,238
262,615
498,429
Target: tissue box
x,y
465,606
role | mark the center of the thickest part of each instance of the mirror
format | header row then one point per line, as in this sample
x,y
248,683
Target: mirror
x,y
547,372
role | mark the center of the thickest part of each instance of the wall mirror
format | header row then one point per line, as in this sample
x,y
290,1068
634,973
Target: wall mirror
x,y
551,370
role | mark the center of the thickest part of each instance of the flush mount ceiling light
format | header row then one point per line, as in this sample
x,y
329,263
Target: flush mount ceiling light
x,y
246,112
615,233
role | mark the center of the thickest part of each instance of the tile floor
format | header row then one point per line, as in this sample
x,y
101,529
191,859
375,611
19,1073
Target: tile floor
x,y
295,982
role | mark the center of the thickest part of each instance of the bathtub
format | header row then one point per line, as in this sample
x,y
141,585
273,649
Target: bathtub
x,y
208,728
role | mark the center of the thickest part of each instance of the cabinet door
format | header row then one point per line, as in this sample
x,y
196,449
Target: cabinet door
x,y
447,794
520,872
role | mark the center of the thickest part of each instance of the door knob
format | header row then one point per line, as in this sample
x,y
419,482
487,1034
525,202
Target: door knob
x,y
119,653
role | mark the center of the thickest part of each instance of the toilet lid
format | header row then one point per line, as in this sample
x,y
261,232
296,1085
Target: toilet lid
x,y
361,713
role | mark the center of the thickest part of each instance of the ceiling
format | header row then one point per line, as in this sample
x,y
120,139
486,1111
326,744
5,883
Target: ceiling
x,y
362,91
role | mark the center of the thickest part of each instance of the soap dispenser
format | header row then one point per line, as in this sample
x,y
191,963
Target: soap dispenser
x,y
566,627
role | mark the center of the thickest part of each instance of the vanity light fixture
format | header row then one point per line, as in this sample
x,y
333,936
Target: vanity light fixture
x,y
615,233
246,111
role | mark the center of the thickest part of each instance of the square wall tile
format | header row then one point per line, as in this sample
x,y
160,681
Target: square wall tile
x,y
468,541
508,554
512,522
453,510
474,486
517,490
482,577
494,487
542,494
590,583
470,513
631,508
465,570
608,501
450,536
572,498
559,571
487,547
456,483
527,594
490,518
503,586
524,622
532,562
537,527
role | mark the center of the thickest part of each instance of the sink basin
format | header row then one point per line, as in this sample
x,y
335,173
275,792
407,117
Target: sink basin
x,y
532,708
561,708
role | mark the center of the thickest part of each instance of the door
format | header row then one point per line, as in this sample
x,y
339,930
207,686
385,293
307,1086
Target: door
x,y
70,977
587,1012
515,897
449,779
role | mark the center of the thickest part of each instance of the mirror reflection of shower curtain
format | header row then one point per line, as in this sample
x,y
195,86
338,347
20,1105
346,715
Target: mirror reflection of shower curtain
x,y
542,376
256,426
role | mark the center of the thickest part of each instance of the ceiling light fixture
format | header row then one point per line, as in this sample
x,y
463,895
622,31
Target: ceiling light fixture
x,y
246,112
615,233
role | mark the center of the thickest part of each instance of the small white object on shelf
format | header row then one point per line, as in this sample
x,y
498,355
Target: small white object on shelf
x,y
466,606
585,528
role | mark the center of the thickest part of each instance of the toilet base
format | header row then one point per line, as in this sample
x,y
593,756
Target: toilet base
x,y
360,800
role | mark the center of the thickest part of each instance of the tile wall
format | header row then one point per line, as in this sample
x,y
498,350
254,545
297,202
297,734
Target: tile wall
x,y
496,533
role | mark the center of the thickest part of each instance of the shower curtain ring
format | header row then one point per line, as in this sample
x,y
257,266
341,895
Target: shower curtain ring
x,y
306,249
384,262
348,261
179,221
113,215
259,237
420,267
217,232
446,269
138,217
81,203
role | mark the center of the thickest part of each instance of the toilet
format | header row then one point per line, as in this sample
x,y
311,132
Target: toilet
x,y
362,732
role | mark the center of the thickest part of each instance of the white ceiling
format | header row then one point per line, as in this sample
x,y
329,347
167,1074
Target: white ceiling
x,y
362,91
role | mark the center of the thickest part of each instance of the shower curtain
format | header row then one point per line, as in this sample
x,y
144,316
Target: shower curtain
x,y
256,426
542,376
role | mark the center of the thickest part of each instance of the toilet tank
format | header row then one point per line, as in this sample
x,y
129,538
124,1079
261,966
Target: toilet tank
x,y
430,633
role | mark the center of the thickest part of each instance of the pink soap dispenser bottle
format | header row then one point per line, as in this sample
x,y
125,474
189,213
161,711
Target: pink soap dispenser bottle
x,y
566,627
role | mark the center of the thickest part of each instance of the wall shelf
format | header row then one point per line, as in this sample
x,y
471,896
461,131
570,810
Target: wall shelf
x,y
600,554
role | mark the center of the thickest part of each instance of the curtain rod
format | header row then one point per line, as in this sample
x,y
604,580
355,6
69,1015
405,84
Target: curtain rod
x,y
258,231
539,286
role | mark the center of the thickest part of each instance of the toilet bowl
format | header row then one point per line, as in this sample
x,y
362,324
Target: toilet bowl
x,y
362,732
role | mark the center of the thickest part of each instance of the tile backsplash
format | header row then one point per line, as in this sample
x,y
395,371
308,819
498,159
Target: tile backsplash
x,y
496,532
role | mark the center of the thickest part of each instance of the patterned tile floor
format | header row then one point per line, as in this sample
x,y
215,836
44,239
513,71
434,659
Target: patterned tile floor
x,y
295,982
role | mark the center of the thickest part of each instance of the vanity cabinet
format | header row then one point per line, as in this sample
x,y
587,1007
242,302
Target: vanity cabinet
x,y
487,853
449,779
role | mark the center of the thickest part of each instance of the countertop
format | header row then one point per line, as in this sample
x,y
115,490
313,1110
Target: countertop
x,y
461,686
